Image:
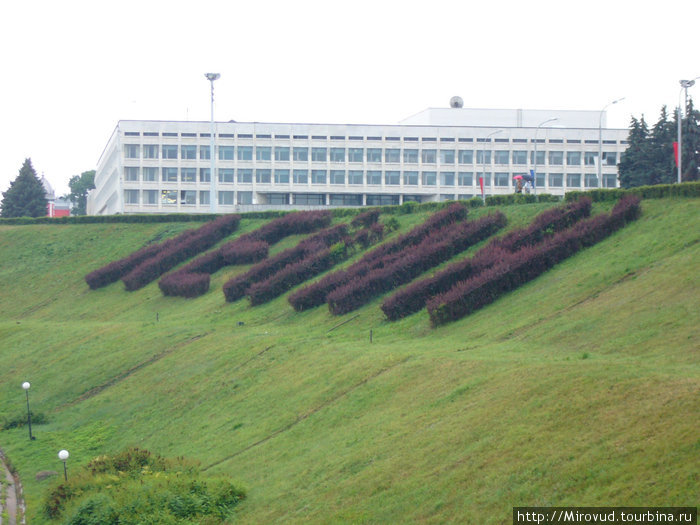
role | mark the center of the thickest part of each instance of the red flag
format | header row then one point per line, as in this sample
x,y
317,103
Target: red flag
x,y
481,183
675,152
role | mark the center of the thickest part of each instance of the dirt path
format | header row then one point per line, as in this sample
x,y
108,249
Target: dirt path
x,y
8,496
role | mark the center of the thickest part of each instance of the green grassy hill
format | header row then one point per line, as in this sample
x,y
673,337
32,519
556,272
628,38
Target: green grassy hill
x,y
580,388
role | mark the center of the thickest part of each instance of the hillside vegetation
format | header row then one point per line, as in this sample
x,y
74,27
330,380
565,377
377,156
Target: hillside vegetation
x,y
579,388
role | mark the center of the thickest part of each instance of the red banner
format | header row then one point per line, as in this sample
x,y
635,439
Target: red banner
x,y
481,183
675,152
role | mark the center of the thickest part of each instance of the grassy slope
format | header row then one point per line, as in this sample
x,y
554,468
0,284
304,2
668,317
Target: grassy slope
x,y
580,388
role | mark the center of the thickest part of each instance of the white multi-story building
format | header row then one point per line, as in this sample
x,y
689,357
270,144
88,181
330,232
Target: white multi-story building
x,y
438,154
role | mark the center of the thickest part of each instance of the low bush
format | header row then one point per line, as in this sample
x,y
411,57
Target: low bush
x,y
656,191
528,263
365,219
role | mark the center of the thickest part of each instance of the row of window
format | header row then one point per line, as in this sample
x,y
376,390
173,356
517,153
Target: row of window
x,y
357,137
388,155
359,177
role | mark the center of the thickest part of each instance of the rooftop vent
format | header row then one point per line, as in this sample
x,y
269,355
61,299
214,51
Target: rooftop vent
x,y
456,102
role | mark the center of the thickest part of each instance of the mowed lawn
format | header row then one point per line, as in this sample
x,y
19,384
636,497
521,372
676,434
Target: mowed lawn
x,y
580,388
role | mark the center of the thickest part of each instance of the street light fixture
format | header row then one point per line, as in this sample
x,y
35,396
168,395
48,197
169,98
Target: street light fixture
x,y
685,84
483,161
534,170
63,456
600,140
26,386
211,77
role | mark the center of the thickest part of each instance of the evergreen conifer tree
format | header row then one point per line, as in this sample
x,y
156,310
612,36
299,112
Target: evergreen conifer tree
x,y
691,143
662,167
634,163
26,196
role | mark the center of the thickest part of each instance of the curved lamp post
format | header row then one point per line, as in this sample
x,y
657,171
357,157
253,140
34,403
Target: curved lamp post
x,y
211,77
26,385
63,456
534,170
685,84
600,140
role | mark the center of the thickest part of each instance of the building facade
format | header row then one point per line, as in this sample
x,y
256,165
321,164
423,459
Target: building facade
x,y
438,154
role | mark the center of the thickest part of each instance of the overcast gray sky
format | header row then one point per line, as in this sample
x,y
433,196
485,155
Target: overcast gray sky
x,y
72,69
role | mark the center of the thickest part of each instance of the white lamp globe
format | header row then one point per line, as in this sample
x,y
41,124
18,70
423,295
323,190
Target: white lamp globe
x,y
63,455
26,385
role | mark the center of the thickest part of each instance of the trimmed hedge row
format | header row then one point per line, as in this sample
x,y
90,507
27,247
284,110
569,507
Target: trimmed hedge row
x,y
414,297
528,263
237,287
656,191
316,293
434,250
207,234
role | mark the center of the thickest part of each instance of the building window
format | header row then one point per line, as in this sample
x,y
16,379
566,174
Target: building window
x,y
150,151
410,178
281,153
465,178
447,156
150,197
318,176
226,175
465,156
263,176
245,152
392,178
382,200
150,174
447,197
392,155
590,158
609,158
278,198
132,151
356,154
501,179
345,199
556,180
188,174
447,178
301,176
204,153
591,180
610,181
573,180
483,156
169,151
337,176
168,197
429,156
337,154
374,177
410,156
281,176
540,158
374,154
245,197
520,157
318,154
226,198
300,154
131,174
169,174
204,197
204,174
355,177
573,158
188,152
313,199
263,153
429,178
245,175
501,157
556,158
131,196
188,197
225,152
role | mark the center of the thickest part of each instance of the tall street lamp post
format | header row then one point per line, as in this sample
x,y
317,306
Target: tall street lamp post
x,y
26,386
211,77
487,140
534,170
600,140
685,84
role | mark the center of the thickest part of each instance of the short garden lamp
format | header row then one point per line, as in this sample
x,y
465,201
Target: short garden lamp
x,y
63,456
26,386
